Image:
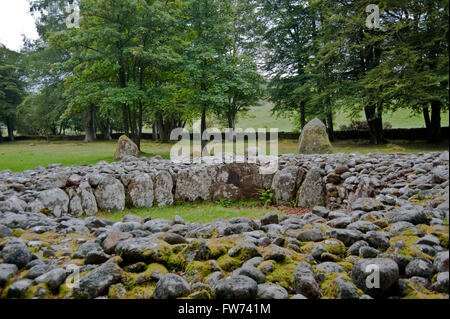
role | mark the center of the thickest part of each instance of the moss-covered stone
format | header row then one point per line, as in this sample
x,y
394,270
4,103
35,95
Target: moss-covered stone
x,y
330,288
283,274
141,292
201,269
329,257
64,290
440,231
220,246
228,264
411,290
334,246
202,294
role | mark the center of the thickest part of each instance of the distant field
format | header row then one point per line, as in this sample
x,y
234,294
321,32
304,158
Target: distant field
x,y
261,117
23,155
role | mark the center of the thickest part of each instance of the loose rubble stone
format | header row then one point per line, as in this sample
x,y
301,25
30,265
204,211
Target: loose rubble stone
x,y
305,282
271,291
19,288
17,254
385,208
388,275
170,287
420,268
96,282
236,287
6,272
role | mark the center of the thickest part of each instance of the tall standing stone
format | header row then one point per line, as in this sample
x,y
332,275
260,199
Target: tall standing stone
x,y
314,139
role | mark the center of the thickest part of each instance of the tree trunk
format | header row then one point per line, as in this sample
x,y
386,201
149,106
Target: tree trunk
x,y
90,127
302,115
139,128
10,126
203,127
155,132
426,118
330,127
375,122
435,123
232,121
107,133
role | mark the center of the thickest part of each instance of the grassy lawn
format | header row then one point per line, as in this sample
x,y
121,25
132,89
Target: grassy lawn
x,y
23,155
261,117
194,212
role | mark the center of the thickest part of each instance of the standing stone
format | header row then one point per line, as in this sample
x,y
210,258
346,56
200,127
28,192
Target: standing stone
x,y
314,139
284,184
140,191
75,208
88,202
55,200
125,148
110,194
163,189
313,190
195,183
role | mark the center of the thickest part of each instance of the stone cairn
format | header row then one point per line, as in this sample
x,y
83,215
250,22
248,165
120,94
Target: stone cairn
x,y
388,211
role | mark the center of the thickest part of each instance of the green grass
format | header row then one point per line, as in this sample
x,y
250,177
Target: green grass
x,y
194,212
23,155
261,117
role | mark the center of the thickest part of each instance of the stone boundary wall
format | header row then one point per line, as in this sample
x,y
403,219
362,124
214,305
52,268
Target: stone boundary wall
x,y
334,181
410,134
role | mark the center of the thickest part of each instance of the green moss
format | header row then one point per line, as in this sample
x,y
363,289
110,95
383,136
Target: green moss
x,y
142,292
219,247
17,233
415,291
338,249
408,240
32,291
152,268
64,290
440,231
116,291
331,290
414,252
199,268
329,257
202,294
283,274
129,280
265,265
228,263
348,266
